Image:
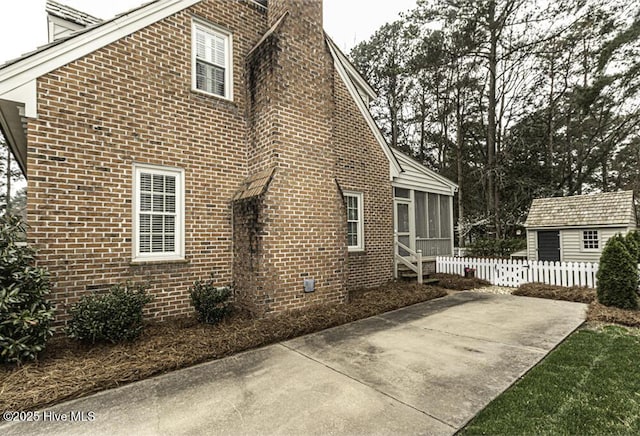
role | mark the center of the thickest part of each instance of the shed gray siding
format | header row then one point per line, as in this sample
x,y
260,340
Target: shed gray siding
x,y
532,245
571,243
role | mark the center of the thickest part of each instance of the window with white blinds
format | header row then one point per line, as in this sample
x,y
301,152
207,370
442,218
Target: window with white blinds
x,y
211,61
158,213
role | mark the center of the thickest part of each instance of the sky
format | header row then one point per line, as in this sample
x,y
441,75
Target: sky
x,y
23,24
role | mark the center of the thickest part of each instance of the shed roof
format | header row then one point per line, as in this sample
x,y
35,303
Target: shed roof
x,y
604,209
255,185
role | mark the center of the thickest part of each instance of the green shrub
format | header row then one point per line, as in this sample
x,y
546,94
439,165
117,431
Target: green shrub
x,y
617,275
25,314
632,242
211,303
112,317
488,247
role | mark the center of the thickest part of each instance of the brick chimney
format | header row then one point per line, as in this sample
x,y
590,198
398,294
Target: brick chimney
x,y
298,223
308,12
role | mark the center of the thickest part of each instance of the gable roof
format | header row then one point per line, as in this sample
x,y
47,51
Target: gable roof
x,y
353,72
18,90
47,58
70,14
64,11
607,209
417,176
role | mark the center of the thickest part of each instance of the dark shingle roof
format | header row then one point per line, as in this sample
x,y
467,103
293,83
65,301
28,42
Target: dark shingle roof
x,y
604,209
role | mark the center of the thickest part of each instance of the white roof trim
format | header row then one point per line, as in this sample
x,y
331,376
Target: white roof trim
x,y
408,161
353,73
582,226
30,68
394,168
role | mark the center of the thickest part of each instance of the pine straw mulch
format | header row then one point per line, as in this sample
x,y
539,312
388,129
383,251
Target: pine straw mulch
x,y
69,370
576,294
596,313
600,313
459,283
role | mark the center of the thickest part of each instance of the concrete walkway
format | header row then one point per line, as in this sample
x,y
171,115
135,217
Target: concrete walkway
x,y
425,369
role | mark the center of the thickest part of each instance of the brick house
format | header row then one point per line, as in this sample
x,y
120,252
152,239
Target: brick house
x,y
191,139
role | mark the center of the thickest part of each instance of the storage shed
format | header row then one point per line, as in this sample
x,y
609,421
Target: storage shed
x,y
576,229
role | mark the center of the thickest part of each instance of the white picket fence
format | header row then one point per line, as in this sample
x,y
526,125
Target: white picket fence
x,y
513,273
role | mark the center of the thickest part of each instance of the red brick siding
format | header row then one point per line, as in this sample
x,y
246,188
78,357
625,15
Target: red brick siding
x,y
362,166
302,226
131,101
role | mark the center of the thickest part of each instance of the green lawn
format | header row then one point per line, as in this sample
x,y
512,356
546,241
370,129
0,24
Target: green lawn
x,y
590,385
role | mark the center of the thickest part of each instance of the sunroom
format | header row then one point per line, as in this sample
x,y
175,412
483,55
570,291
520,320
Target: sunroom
x,y
423,211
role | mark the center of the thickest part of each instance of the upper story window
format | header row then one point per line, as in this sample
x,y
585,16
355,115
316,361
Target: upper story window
x,y
355,221
158,223
590,240
212,60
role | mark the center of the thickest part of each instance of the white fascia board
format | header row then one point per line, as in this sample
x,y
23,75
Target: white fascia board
x,y
394,166
406,160
579,227
419,187
29,69
353,73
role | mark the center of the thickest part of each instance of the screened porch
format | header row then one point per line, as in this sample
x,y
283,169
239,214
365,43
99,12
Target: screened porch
x,y
424,222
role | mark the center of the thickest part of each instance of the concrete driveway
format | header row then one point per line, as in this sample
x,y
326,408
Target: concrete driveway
x,y
425,369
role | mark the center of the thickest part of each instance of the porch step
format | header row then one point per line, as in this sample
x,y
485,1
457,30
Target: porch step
x,y
404,273
404,270
414,277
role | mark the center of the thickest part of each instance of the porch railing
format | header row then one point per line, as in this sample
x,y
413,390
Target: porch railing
x,y
407,260
432,247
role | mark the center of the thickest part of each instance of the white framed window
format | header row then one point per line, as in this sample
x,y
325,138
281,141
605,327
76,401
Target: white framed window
x,y
158,213
590,240
355,221
212,60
